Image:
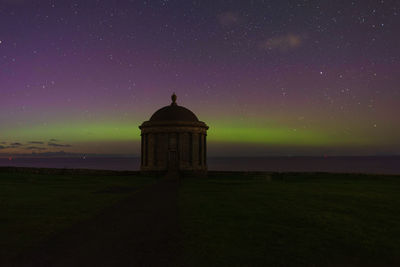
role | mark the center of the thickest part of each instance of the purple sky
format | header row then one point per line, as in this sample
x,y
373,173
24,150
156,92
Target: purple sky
x,y
268,77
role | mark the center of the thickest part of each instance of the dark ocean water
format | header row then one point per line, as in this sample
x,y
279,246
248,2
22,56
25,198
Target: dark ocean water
x,y
377,165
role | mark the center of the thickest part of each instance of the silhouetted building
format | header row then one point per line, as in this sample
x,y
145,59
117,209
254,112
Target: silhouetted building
x,y
174,140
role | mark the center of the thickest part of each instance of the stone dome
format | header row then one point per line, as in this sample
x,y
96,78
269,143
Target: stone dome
x,y
174,112
173,141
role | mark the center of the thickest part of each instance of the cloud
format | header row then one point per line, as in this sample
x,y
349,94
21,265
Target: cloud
x,y
35,148
57,145
36,142
15,144
228,18
283,42
16,2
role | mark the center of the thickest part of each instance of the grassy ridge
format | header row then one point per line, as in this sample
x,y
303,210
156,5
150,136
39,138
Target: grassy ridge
x,y
291,219
34,206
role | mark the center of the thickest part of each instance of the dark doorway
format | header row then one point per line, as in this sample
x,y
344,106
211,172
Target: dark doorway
x,y
172,161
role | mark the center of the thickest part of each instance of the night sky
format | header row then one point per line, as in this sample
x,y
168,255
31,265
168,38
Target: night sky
x,y
268,77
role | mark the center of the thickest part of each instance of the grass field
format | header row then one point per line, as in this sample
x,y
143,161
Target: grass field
x,y
290,220
34,206
226,219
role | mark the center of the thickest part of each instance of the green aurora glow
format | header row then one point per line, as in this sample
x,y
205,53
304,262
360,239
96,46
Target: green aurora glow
x,y
86,137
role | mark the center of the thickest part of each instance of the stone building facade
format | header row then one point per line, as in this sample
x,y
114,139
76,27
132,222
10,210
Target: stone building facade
x,y
174,140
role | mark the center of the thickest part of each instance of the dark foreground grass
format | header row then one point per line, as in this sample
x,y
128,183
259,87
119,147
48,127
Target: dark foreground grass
x,y
34,206
290,220
227,219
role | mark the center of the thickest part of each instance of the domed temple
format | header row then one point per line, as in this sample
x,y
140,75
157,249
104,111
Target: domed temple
x,y
174,140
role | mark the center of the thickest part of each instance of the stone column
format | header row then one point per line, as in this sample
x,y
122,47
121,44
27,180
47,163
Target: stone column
x,y
183,151
195,150
205,149
141,150
146,145
190,147
178,152
155,147
150,150
201,150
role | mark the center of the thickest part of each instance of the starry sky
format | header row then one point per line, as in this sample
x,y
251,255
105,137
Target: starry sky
x,y
268,77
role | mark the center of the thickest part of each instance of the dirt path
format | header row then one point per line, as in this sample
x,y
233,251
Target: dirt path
x,y
142,230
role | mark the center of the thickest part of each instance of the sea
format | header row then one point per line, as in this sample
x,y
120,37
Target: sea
x,y
368,165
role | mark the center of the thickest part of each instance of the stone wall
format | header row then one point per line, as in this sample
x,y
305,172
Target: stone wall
x,y
187,144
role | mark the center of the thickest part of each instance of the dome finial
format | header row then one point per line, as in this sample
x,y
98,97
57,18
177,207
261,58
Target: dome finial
x,y
173,98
